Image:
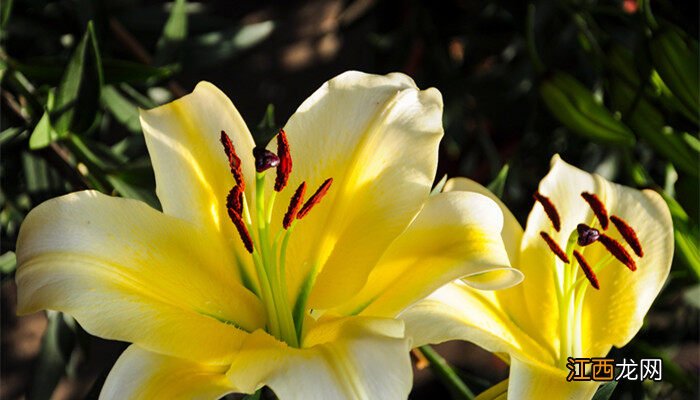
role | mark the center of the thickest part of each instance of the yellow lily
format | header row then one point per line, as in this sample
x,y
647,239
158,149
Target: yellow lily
x,y
579,298
243,280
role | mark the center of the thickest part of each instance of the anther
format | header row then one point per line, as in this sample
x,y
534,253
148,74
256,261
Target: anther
x,y
586,234
628,234
242,230
284,169
587,270
617,250
554,247
598,208
549,209
233,161
294,204
315,198
265,159
234,200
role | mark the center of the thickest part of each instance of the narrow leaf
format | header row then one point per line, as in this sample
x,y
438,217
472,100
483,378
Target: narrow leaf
x,y
174,33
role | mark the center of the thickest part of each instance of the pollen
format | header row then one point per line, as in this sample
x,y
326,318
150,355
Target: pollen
x,y
587,270
554,247
598,208
242,230
294,204
234,200
549,209
315,198
618,251
284,169
628,234
234,161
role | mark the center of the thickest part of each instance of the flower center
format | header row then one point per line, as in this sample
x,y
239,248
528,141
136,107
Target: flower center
x,y
269,254
571,286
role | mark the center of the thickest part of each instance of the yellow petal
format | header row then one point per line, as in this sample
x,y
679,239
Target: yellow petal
x,y
512,232
615,313
128,272
141,374
191,169
351,358
456,235
533,304
527,381
457,311
377,137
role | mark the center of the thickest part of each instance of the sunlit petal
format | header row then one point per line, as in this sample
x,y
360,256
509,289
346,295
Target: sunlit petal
x,y
456,235
529,381
143,375
191,169
457,311
348,358
377,137
614,314
128,272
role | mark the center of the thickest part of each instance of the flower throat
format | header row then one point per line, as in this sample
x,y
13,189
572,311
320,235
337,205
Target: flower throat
x,y
571,288
284,321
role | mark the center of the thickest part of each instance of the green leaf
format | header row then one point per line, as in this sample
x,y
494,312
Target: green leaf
x,y
605,391
121,108
136,183
11,133
174,33
118,71
43,133
215,47
499,183
8,262
78,96
5,11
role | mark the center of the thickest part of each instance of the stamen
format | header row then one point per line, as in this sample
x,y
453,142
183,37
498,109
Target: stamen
x,y
285,167
234,200
549,209
628,234
265,159
617,250
242,230
587,270
294,204
586,234
598,208
315,198
233,161
554,247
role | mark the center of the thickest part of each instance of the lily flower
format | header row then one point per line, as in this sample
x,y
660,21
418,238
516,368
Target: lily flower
x,y
595,256
246,278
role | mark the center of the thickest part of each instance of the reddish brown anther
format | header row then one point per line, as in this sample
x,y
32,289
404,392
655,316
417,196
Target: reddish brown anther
x,y
315,198
587,270
233,161
617,250
234,200
284,169
549,209
294,204
554,247
628,234
598,208
242,229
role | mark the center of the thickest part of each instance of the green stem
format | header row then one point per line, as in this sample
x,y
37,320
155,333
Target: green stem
x,y
446,373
